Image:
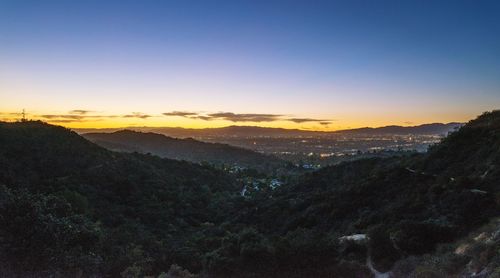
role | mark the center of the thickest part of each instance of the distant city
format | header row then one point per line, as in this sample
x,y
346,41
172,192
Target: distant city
x,y
329,149
313,149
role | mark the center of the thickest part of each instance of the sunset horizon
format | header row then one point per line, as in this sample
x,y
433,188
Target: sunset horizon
x,y
250,138
325,66
88,119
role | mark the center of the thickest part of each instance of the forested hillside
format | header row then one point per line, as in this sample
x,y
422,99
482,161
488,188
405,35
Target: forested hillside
x,y
98,212
68,205
405,205
183,149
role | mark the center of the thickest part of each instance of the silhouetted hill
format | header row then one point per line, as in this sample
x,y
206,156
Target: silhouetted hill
x,y
405,205
425,129
67,203
93,211
182,149
255,131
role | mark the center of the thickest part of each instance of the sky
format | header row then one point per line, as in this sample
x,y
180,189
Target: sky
x,y
322,65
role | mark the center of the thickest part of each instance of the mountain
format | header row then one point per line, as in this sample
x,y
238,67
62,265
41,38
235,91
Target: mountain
x,y
255,131
405,206
425,129
68,206
373,216
182,149
95,212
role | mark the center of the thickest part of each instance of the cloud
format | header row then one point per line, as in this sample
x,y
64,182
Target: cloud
x,y
233,117
80,111
80,115
180,113
137,115
62,116
226,116
83,117
306,120
71,118
201,117
63,121
244,117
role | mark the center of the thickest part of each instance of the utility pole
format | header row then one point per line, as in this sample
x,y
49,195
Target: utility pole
x,y
24,117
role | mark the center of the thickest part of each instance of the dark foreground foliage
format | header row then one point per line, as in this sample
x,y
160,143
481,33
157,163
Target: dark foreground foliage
x,y
69,207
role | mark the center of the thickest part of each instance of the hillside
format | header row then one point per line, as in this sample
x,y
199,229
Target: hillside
x,y
255,131
67,204
406,206
425,129
182,149
97,212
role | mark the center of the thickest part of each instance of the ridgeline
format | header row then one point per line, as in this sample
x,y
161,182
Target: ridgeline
x,y
70,207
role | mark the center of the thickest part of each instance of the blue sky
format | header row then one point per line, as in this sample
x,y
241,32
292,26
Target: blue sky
x,y
357,63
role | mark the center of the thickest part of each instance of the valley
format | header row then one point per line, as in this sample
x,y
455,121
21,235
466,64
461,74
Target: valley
x,y
119,213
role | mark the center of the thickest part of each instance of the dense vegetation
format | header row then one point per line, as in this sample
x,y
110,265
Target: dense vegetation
x,y
184,149
93,211
68,204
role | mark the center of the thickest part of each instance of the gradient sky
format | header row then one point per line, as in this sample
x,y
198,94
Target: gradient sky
x,y
296,64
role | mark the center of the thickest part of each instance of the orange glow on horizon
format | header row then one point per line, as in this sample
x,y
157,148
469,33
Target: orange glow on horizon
x,y
158,120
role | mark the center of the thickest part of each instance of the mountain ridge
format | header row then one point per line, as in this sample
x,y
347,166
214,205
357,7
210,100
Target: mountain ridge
x,y
92,209
235,130
182,149
98,212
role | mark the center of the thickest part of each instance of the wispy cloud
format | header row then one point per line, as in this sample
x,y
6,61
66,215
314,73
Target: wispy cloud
x,y
307,120
71,118
227,116
81,115
244,117
75,116
64,121
180,113
233,117
201,117
80,111
61,116
137,115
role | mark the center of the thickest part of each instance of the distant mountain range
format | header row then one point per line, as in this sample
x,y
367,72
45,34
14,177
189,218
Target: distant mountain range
x,y
255,131
181,149
71,208
425,129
